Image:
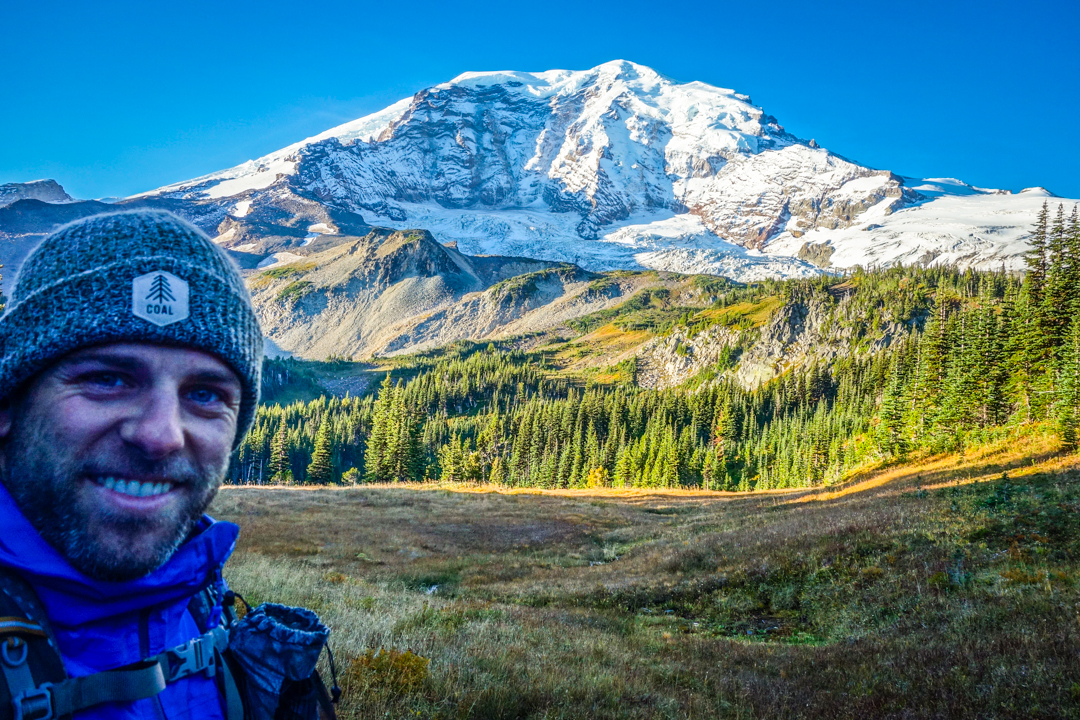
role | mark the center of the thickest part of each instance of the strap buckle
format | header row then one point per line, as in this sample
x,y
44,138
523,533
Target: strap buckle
x,y
15,645
36,704
194,656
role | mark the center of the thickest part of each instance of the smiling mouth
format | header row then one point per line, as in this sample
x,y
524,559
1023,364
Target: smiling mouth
x,y
132,488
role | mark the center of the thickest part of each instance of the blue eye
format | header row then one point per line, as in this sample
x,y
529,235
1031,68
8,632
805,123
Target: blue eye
x,y
107,380
204,396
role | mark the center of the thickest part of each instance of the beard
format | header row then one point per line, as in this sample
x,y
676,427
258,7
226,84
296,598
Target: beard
x,y
58,496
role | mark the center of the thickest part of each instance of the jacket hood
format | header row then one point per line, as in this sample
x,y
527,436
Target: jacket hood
x,y
72,598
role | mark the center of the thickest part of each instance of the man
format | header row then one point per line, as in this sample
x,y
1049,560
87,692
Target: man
x,y
130,371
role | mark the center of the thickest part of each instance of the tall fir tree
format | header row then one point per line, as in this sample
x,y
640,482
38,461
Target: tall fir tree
x,y
1068,405
280,467
376,458
321,469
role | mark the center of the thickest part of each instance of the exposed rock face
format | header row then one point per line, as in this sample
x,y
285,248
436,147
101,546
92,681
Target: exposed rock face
x,y
805,332
44,190
818,254
667,361
798,334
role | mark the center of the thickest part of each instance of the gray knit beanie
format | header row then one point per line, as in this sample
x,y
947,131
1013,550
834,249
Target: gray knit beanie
x,y
133,276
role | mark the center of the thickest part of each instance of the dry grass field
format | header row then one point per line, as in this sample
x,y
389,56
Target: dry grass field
x,y
949,587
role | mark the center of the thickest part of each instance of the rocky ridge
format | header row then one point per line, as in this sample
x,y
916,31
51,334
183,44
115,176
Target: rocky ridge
x,y
392,292
45,190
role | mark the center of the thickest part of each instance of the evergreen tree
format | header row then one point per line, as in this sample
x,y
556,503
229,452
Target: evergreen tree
x,y
280,467
498,471
321,469
377,458
1037,260
1068,408
403,457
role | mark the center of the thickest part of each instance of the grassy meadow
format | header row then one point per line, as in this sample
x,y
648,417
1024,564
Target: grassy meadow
x,y
947,587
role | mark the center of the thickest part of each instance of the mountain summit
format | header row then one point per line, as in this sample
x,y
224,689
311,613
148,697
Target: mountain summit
x,y
614,167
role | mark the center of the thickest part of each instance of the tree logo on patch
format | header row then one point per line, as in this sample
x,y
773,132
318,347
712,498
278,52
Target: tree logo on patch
x,y
160,290
160,297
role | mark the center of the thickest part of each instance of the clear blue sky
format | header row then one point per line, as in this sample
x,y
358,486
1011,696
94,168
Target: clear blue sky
x,y
114,98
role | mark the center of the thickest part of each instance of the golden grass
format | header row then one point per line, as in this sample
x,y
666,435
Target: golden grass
x,y
607,345
933,589
756,313
1021,453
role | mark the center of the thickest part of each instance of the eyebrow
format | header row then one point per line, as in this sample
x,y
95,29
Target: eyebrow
x,y
123,362
131,364
212,376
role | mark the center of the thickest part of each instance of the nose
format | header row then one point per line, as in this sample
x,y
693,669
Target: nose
x,y
156,428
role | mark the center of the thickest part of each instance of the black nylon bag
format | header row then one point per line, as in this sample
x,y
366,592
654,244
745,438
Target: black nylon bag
x,y
277,647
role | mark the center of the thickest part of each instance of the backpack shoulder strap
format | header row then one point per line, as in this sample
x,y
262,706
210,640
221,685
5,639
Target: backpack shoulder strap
x,y
208,606
29,655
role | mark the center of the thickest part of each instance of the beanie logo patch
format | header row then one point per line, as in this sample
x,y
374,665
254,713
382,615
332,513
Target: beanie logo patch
x,y
160,297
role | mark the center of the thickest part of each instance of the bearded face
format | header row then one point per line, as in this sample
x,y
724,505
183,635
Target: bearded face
x,y
114,453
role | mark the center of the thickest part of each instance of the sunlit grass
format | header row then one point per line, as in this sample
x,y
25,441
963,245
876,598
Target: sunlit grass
x,y
748,314
606,345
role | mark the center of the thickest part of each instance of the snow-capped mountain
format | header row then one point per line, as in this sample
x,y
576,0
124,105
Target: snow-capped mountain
x,y
613,167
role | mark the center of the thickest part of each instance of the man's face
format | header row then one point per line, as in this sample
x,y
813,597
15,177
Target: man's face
x,y
114,452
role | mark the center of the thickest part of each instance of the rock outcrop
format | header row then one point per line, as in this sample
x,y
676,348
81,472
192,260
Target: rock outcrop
x,y
798,334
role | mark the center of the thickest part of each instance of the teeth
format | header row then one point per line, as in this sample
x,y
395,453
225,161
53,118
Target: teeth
x,y
133,488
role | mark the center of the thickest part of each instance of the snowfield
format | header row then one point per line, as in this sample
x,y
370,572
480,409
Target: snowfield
x,y
983,230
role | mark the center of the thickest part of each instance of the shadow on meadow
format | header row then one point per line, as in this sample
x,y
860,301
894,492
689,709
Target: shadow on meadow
x,y
942,588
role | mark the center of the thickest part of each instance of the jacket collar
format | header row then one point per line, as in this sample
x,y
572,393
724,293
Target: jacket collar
x,y
72,598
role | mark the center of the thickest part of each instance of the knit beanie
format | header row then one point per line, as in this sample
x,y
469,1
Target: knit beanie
x,y
144,276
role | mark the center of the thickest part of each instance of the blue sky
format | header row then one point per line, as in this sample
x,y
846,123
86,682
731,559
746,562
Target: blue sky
x,y
115,98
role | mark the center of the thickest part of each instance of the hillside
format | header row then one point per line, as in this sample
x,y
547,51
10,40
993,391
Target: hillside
x,y
400,291
841,497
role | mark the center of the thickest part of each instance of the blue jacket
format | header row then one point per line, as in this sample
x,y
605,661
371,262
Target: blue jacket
x,y
102,625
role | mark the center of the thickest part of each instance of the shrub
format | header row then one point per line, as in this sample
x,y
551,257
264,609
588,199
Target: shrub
x,y
294,291
279,273
391,670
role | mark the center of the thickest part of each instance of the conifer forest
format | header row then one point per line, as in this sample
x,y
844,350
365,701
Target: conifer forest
x,y
968,355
